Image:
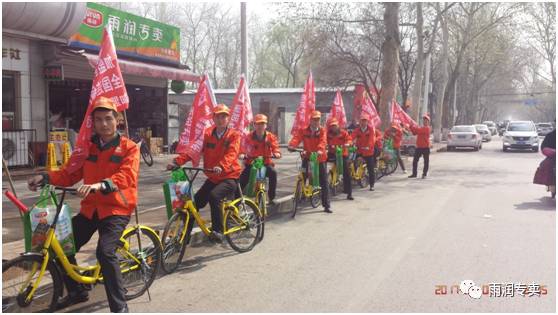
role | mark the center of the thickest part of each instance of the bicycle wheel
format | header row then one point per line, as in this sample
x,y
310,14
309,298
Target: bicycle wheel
x,y
363,179
173,249
18,276
261,202
146,154
391,167
316,199
297,197
243,227
139,267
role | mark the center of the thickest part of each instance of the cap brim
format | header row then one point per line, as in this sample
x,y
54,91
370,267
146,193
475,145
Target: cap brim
x,y
221,112
260,121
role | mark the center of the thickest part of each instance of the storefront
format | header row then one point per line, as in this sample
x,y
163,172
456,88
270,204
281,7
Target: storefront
x,y
48,71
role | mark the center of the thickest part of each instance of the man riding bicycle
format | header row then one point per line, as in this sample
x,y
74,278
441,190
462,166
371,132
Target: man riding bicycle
x,y
261,143
221,149
111,169
365,140
396,135
340,137
314,139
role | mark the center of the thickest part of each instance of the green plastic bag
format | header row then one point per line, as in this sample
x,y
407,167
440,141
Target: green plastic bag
x,y
339,159
314,167
250,187
36,223
174,189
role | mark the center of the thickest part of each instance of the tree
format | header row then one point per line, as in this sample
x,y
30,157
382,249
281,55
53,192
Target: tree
x,y
390,51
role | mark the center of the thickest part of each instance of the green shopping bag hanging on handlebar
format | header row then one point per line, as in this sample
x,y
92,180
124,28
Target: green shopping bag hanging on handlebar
x,y
36,223
173,189
256,166
315,168
339,159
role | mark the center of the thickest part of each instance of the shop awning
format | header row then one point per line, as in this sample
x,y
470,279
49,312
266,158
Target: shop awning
x,y
150,70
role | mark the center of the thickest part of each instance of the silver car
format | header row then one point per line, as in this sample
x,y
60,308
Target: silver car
x,y
491,126
521,135
464,136
484,132
544,128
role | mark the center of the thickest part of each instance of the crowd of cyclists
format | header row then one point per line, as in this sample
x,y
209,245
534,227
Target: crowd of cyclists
x,y
112,170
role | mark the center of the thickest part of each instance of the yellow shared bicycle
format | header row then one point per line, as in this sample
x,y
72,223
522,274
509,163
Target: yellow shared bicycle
x,y
241,222
357,168
32,282
304,191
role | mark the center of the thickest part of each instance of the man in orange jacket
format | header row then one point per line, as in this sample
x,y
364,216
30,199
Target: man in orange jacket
x,y
221,148
112,170
423,146
364,138
261,143
395,134
340,137
314,139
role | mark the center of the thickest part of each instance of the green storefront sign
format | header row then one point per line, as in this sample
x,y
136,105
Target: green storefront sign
x,y
134,36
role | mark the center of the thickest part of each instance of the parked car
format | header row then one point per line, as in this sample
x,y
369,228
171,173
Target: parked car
x,y
491,126
521,135
464,136
544,128
484,132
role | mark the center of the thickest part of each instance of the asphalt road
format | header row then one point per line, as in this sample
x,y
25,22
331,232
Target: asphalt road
x,y
476,217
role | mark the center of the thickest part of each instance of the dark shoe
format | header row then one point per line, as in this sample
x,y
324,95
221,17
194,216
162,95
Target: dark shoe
x,y
423,176
413,176
123,310
328,210
371,188
72,298
349,197
216,237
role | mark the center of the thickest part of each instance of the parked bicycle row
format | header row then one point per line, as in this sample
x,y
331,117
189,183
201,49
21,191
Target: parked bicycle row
x,y
128,258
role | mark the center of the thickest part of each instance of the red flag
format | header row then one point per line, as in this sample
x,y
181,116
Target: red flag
x,y
399,116
338,110
199,118
369,108
306,106
107,82
241,110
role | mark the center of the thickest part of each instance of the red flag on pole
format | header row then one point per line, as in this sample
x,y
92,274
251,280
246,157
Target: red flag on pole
x,y
199,118
306,106
369,108
107,82
338,110
241,110
399,116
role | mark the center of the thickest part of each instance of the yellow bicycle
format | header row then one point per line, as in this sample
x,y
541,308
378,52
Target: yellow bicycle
x,y
305,191
333,174
359,173
32,282
241,222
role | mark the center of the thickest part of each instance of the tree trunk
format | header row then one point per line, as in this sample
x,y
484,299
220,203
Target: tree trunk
x,y
440,109
390,51
415,97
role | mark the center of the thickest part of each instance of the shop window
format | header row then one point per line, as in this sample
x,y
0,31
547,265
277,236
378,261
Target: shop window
x,y
8,101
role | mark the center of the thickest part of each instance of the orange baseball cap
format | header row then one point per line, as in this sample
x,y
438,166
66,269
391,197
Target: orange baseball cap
x,y
426,117
104,102
316,114
364,117
221,109
260,118
333,122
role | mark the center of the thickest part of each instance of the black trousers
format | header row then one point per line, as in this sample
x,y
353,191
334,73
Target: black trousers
x,y
399,160
370,165
214,194
270,173
425,152
110,230
347,180
323,181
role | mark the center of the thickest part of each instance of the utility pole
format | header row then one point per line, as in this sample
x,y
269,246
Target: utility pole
x,y
243,42
426,86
